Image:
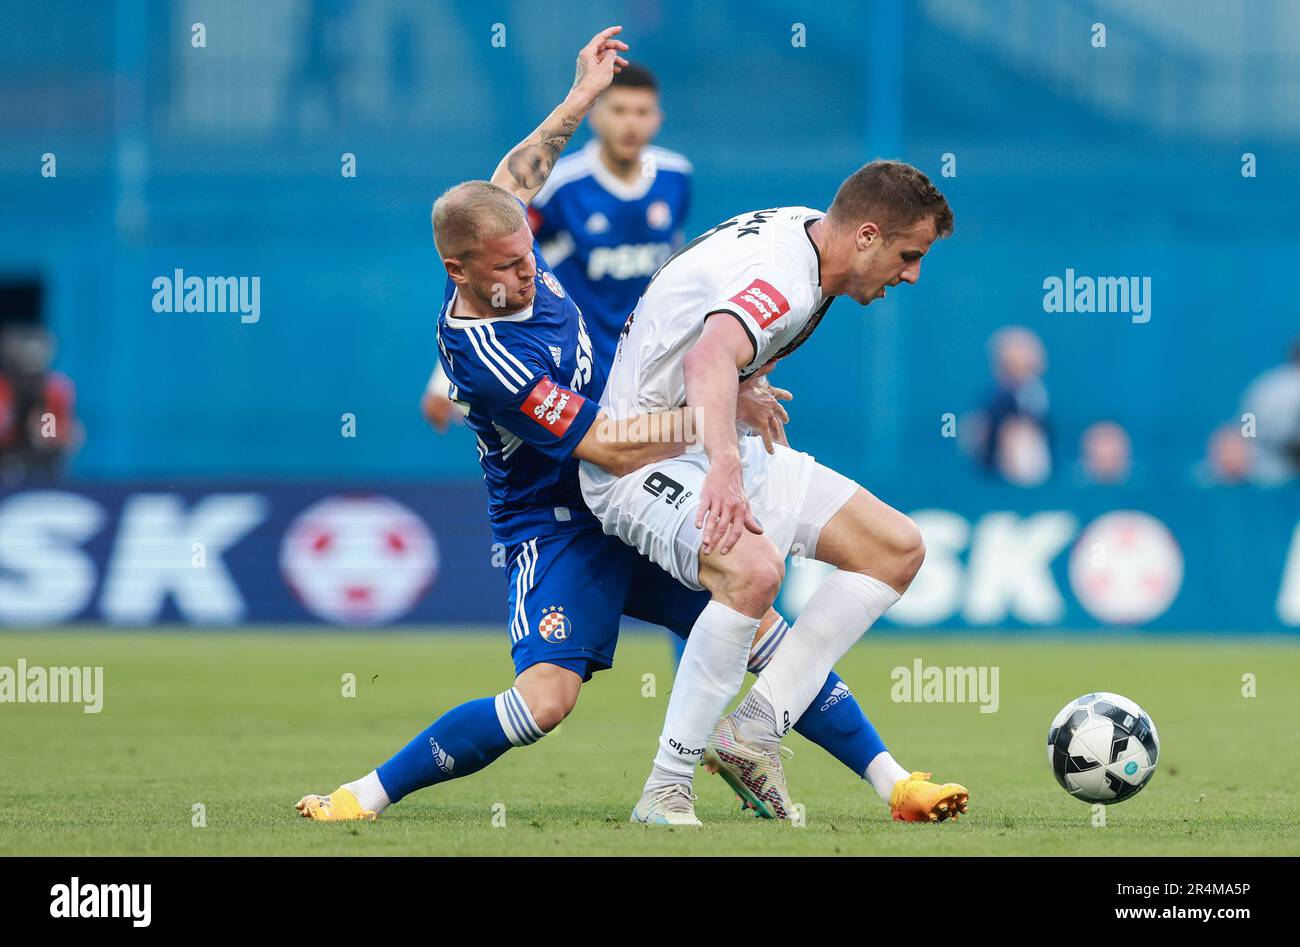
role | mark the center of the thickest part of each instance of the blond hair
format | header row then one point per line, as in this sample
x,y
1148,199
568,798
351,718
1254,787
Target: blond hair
x,y
471,212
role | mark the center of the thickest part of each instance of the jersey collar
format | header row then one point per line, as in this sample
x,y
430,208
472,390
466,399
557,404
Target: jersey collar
x,y
620,189
817,254
460,322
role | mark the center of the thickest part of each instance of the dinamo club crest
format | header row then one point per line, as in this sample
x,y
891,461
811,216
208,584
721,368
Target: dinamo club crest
x,y
552,284
554,625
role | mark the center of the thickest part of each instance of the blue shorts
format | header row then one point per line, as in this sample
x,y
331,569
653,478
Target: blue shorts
x,y
569,591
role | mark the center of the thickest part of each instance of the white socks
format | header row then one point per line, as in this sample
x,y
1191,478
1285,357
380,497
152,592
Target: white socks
x,y
709,676
370,792
883,772
834,618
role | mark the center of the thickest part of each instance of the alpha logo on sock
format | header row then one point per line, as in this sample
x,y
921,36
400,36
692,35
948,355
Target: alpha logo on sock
x,y
684,751
442,757
554,625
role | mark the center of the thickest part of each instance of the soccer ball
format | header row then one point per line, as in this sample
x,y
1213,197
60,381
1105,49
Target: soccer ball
x,y
1102,748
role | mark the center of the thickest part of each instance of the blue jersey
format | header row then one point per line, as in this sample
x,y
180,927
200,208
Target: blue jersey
x,y
531,386
605,237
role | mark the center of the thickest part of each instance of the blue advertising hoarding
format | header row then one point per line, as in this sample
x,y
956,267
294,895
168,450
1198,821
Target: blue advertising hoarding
x,y
1174,559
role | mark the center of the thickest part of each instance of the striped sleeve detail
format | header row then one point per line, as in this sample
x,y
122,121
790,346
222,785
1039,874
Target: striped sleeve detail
x,y
505,352
497,359
765,646
516,719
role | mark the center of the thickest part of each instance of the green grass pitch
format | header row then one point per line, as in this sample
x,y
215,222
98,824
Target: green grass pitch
x,y
245,723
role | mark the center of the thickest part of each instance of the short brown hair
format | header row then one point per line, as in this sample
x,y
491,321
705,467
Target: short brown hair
x,y
892,194
471,212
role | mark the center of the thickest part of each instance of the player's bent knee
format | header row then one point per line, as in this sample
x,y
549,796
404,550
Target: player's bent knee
x,y
910,556
746,579
890,550
901,553
551,709
551,693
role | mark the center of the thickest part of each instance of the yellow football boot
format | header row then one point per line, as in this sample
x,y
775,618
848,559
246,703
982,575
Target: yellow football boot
x,y
916,799
339,806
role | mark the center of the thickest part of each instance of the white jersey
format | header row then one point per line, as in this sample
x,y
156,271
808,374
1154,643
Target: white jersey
x,y
760,267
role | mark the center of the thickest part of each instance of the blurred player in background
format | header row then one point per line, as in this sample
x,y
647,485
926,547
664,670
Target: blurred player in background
x,y
612,213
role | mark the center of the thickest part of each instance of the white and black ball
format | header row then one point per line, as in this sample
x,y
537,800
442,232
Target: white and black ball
x,y
1103,748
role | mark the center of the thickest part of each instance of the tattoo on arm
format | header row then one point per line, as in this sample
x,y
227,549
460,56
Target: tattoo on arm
x,y
530,164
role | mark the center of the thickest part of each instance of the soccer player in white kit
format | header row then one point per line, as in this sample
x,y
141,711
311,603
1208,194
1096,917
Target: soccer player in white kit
x,y
724,515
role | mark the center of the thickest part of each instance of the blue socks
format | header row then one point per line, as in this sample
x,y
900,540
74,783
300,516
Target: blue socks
x,y
467,738
836,723
460,742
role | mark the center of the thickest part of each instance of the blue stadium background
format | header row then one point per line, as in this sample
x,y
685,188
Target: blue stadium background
x,y
1122,160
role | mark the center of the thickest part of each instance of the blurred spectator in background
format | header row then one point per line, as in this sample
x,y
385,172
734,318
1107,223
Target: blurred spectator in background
x,y
1227,457
38,429
1015,430
1106,454
1274,400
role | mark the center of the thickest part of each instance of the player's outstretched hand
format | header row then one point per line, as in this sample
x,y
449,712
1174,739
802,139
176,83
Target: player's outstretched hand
x,y
759,405
598,61
724,511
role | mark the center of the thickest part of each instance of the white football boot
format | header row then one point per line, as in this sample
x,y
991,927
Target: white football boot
x,y
667,805
753,771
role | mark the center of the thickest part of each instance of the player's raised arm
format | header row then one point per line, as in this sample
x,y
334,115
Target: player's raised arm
x,y
525,169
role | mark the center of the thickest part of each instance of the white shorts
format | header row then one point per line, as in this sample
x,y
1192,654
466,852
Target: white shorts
x,y
653,509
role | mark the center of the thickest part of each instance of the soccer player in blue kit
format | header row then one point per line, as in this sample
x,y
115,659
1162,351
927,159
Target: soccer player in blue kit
x,y
523,366
606,218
